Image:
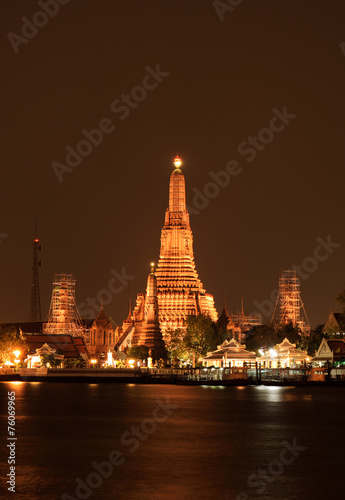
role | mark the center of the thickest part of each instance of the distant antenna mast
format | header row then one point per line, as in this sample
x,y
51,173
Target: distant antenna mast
x,y
35,303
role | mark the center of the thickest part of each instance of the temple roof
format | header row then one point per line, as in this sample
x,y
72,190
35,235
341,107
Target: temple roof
x,y
334,321
101,319
336,345
232,349
70,346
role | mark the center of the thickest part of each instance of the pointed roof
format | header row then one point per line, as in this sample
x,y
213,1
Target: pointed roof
x,y
129,310
330,350
334,322
224,318
231,349
286,344
101,319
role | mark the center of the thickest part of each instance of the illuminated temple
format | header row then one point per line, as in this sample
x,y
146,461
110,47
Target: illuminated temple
x,y
180,292
174,290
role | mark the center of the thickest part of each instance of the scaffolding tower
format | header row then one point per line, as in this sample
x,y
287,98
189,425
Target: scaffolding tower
x,y
63,316
290,302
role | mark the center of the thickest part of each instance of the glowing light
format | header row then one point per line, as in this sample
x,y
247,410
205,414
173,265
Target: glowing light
x,y
261,352
17,361
9,363
273,353
34,360
16,353
36,240
131,362
177,162
110,360
93,361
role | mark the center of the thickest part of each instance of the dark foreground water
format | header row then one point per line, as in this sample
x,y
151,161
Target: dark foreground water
x,y
209,443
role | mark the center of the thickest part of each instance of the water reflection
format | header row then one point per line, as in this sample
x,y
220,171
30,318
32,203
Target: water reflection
x,y
207,448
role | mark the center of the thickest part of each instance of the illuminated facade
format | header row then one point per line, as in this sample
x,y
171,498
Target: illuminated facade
x,y
146,319
283,355
180,292
63,317
174,290
290,302
101,335
229,354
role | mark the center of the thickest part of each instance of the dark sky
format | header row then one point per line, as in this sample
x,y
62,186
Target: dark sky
x,y
224,79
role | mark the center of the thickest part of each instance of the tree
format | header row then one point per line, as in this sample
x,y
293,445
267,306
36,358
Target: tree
x,y
79,362
340,298
202,336
291,332
138,352
174,345
262,336
10,340
49,358
55,363
313,341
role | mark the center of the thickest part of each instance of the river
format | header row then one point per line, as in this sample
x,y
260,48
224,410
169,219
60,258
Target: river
x,y
167,442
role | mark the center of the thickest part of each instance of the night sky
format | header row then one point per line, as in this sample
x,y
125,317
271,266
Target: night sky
x,y
221,80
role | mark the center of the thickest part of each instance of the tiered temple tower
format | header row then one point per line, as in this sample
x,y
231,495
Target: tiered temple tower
x,y
180,293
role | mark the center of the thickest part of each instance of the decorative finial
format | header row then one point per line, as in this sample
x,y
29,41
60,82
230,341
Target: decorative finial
x,y
152,267
177,161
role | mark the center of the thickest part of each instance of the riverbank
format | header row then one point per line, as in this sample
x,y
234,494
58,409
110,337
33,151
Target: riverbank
x,y
138,376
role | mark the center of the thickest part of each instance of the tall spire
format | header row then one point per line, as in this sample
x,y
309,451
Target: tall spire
x,y
129,309
147,329
177,191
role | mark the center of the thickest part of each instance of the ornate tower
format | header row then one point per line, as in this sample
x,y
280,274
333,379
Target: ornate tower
x,y
180,293
35,302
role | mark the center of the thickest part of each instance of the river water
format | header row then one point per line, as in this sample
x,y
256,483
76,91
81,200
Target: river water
x,y
172,442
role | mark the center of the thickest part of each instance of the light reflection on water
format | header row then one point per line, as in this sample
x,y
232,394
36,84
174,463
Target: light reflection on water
x,y
207,448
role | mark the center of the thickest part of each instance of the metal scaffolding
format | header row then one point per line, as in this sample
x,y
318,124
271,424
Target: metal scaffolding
x,y
63,316
290,302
